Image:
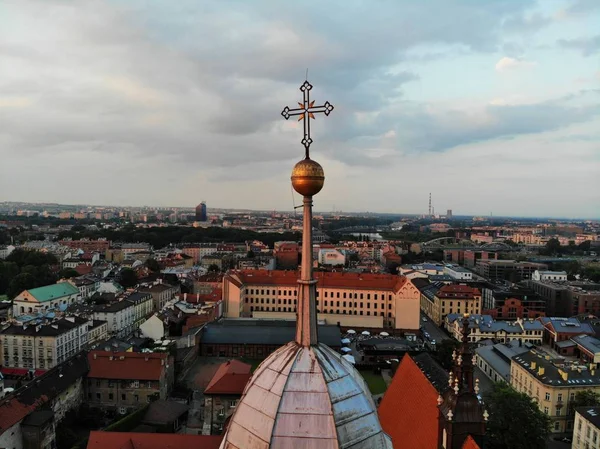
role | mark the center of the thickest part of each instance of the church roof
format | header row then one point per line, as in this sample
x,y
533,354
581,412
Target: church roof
x,y
470,443
408,412
305,398
230,378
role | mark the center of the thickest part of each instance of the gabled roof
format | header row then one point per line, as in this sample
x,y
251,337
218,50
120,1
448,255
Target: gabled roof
x,y
126,365
470,443
231,378
133,440
55,291
408,412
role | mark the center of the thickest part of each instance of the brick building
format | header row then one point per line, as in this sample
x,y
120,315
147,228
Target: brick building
x,y
126,381
223,392
87,245
287,255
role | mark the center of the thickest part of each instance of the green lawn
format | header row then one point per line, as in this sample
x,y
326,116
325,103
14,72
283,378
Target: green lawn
x,y
374,381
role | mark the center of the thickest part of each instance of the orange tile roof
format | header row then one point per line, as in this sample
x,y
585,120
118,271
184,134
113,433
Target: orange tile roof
x,y
231,378
457,291
126,365
408,412
13,411
134,440
366,281
470,443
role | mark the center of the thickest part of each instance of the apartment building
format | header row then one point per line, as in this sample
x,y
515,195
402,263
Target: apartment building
x,y
553,384
482,327
511,270
361,300
43,346
586,432
438,300
161,294
125,315
126,381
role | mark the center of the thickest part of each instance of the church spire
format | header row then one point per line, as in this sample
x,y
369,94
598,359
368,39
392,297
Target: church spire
x,y
461,411
308,178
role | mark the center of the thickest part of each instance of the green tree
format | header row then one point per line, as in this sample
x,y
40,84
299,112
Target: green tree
x,y
552,247
153,265
515,420
444,352
67,273
582,399
8,270
128,278
22,281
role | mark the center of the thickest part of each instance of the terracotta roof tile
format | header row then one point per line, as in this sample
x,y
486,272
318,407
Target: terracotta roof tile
x,y
408,412
133,440
230,378
470,443
126,365
336,279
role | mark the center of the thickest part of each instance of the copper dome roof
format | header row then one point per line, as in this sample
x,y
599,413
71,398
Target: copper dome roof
x,y
305,397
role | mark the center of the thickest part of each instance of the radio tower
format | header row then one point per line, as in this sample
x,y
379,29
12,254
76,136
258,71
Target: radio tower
x,y
430,204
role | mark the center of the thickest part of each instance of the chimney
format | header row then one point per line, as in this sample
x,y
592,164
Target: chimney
x,y
185,297
533,365
541,371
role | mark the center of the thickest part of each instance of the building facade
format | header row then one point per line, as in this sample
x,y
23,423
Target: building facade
x,y
125,315
43,346
126,381
586,433
482,327
43,299
378,300
552,384
438,300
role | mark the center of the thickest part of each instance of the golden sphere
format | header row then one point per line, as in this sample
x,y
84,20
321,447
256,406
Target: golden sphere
x,y
308,177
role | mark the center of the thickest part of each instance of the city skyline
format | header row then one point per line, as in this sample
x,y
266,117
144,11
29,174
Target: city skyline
x,y
492,105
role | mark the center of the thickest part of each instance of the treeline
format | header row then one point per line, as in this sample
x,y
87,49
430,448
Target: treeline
x,y
23,270
161,237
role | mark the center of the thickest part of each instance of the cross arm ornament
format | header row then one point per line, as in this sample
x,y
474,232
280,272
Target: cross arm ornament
x,y
306,112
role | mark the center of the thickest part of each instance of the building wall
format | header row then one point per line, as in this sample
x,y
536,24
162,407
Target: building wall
x,y
407,313
548,397
12,438
489,371
129,394
585,434
220,408
346,321
25,303
69,399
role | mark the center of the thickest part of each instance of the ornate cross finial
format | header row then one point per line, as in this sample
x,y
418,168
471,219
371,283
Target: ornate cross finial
x,y
306,112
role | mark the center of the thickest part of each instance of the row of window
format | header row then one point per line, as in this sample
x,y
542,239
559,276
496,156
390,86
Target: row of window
x,y
111,397
326,294
325,303
331,311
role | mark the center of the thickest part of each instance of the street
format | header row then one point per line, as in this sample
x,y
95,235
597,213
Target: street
x,y
435,332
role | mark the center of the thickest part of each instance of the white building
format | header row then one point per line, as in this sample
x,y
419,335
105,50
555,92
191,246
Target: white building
x,y
482,327
457,272
43,299
126,315
153,328
494,360
549,276
43,346
586,431
86,286
5,251
330,256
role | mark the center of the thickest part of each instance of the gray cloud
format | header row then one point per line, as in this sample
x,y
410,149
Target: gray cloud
x,y
588,46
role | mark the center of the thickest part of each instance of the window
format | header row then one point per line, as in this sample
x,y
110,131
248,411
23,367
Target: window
x,y
123,410
547,396
233,404
136,384
124,397
136,397
559,398
98,396
110,396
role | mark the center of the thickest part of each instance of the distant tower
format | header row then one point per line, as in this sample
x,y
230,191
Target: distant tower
x,y
449,214
430,204
201,212
460,412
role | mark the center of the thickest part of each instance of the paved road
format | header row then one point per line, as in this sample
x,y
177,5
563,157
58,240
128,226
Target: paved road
x,y
436,333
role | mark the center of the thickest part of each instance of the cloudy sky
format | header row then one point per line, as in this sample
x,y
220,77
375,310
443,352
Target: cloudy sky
x,y
493,106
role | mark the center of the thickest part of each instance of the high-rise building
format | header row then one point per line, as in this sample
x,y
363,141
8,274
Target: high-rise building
x,y
449,214
201,212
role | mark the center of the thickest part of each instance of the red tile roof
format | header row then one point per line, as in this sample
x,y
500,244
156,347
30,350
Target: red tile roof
x,y
367,281
470,443
457,291
126,365
408,412
230,378
134,440
12,411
